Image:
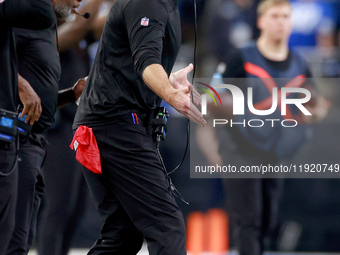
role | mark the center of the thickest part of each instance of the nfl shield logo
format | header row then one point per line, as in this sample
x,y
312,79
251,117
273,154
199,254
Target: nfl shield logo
x,y
144,22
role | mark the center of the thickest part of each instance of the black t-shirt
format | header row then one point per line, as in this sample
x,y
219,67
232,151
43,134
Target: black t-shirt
x,y
39,64
32,14
136,34
273,141
235,65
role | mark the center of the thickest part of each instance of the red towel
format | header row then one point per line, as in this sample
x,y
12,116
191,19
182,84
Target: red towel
x,y
84,142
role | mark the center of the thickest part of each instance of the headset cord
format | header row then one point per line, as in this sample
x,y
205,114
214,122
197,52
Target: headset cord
x,y
172,187
192,95
15,160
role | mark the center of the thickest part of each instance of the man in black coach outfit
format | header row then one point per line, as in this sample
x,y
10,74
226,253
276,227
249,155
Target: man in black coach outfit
x,y
129,78
37,14
39,69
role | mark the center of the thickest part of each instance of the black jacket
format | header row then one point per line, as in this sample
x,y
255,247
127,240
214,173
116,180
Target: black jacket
x,y
137,34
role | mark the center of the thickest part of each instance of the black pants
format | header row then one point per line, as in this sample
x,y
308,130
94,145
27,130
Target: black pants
x,y
8,194
30,192
66,193
132,195
253,206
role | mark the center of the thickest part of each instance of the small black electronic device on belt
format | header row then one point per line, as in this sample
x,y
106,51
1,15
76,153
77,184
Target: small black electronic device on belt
x,y
158,123
24,129
8,128
8,135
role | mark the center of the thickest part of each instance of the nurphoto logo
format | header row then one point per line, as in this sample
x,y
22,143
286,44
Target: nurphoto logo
x,y
279,98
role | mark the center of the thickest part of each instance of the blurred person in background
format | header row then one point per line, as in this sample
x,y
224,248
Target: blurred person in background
x,y
39,72
66,193
37,14
253,203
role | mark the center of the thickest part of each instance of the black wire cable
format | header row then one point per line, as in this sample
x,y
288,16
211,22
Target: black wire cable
x,y
15,163
195,46
186,148
192,95
173,189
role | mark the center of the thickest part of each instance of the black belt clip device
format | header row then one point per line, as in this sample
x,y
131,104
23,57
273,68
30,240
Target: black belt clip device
x,y
8,128
159,124
24,129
